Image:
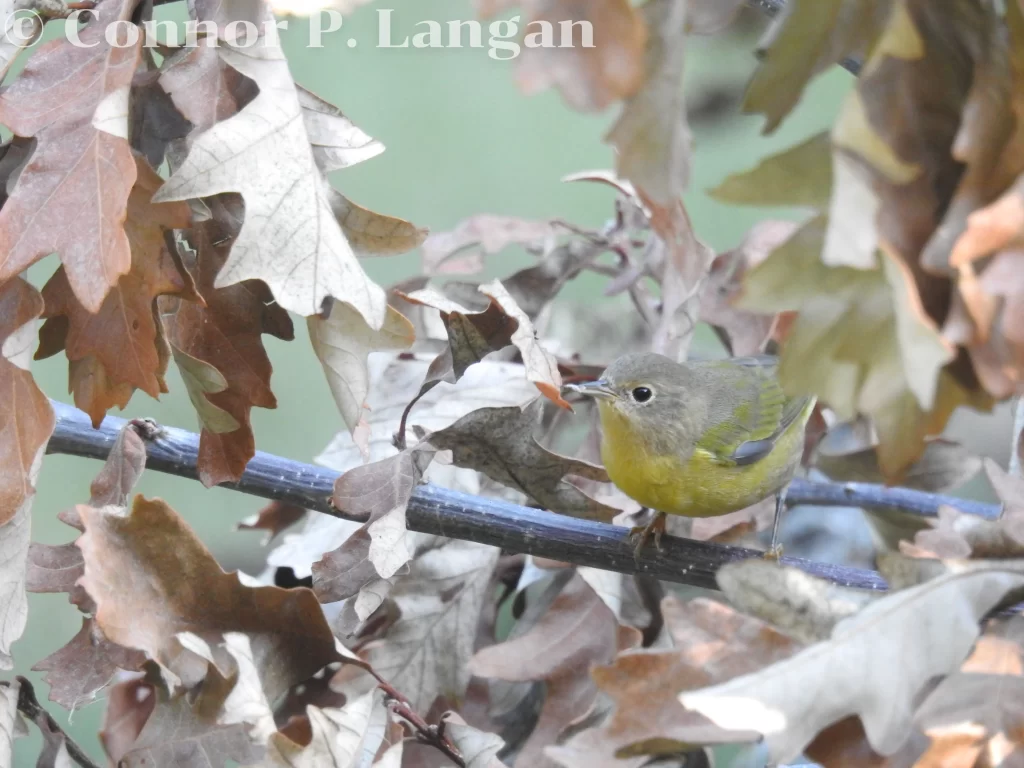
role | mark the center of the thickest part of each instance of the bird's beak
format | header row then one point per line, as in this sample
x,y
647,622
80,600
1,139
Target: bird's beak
x,y
597,389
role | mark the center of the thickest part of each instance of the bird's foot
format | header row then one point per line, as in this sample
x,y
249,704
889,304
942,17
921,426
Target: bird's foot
x,y
642,533
774,553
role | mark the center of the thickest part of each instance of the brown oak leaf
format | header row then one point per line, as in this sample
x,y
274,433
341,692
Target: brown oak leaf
x,y
152,578
72,196
124,338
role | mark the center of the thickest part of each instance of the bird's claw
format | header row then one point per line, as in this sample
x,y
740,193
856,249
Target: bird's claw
x,y
640,534
774,554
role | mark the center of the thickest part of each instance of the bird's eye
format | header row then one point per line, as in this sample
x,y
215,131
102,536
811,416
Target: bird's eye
x,y
642,394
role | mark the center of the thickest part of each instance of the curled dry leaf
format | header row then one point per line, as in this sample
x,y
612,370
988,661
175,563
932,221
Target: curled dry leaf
x,y
575,632
712,643
462,249
152,578
371,233
793,700
342,341
499,442
73,100
473,335
290,238
121,347
219,349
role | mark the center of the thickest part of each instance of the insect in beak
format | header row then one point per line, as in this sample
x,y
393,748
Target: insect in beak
x,y
597,389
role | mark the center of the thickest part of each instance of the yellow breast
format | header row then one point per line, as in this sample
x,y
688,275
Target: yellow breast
x,y
696,485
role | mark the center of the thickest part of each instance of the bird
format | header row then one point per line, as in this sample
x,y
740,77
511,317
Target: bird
x,y
698,438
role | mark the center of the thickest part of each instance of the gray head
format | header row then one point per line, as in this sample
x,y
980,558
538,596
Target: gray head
x,y
643,383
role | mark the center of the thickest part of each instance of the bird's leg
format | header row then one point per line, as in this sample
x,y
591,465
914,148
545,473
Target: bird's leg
x,y
775,552
641,533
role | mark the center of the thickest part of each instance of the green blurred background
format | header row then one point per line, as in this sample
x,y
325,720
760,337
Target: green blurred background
x,y
460,140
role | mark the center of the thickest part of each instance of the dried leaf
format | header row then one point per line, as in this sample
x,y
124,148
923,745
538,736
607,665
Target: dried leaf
x,y
378,493
342,342
651,136
600,66
371,233
805,607
944,466
426,651
152,578
227,369
479,749
681,263
713,643
274,518
179,734
26,421
84,666
340,737
792,700
957,535
462,249
807,38
576,631
73,100
798,176
290,239
11,724
472,335
122,336
747,332
861,342
129,705
977,711
499,442
26,418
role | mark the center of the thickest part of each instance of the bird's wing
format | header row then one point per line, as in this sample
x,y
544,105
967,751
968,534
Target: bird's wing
x,y
748,427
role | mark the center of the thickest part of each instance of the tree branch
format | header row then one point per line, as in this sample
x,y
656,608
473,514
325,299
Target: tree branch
x,y
30,707
515,528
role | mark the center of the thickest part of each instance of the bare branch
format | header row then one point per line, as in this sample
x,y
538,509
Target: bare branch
x,y
30,707
509,526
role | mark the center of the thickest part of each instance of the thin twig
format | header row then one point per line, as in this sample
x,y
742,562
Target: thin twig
x,y
511,527
30,707
429,734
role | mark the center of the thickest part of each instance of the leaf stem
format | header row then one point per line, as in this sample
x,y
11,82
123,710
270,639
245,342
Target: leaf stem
x,y
427,733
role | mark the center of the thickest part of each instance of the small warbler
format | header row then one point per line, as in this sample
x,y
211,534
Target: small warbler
x,y
698,439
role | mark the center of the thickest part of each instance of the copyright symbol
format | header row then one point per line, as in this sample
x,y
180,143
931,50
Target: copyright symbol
x,y
23,26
